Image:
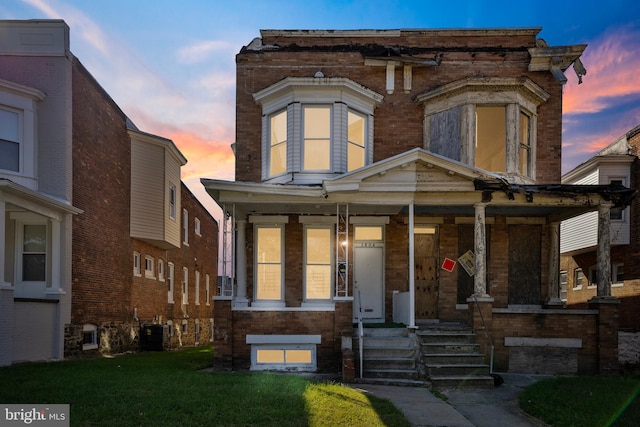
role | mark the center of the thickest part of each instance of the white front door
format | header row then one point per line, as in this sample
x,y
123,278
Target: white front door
x,y
368,280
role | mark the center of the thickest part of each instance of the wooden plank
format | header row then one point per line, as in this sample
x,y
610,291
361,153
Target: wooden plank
x,y
525,259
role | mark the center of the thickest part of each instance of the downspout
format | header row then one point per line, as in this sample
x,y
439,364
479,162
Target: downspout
x,y
412,267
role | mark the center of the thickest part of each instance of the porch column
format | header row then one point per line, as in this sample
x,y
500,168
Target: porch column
x,y
6,299
554,264
412,270
480,250
3,238
604,249
241,299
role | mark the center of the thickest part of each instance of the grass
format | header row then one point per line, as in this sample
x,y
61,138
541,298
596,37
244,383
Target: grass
x,y
171,389
584,401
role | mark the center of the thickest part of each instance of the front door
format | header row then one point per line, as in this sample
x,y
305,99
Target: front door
x,y
426,272
368,274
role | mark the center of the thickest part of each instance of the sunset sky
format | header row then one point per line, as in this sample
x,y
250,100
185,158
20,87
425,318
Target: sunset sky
x,y
170,66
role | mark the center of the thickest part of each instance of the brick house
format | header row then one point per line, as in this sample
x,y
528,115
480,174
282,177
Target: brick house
x,y
618,164
371,166
96,226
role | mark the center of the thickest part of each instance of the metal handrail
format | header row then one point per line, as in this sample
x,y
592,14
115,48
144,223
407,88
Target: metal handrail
x,y
486,333
360,333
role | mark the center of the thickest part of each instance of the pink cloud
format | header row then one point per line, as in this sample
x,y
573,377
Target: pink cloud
x,y
612,63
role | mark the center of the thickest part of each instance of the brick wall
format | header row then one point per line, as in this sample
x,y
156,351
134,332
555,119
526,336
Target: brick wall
x,y
399,120
105,291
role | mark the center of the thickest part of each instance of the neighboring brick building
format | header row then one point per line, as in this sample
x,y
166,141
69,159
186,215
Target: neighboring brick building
x,y
370,165
96,227
144,250
617,163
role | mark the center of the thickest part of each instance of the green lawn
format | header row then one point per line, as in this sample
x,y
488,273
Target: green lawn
x,y
584,401
171,389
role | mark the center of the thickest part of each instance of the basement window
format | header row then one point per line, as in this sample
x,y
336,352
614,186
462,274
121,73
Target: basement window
x,y
89,337
283,352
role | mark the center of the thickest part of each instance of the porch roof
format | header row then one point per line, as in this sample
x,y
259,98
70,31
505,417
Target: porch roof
x,y
432,183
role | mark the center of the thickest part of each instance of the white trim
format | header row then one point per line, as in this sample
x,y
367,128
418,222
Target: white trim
x,y
542,342
268,219
369,220
283,339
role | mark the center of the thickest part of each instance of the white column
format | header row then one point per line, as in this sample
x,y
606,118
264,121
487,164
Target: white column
x,y
6,299
412,268
604,249
241,264
554,264
480,250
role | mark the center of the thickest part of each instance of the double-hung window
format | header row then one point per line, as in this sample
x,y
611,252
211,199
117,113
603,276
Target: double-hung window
x,y
317,138
356,137
278,143
9,140
269,263
318,263
170,278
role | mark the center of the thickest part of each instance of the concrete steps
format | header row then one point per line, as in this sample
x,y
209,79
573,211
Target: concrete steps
x,y
390,356
451,356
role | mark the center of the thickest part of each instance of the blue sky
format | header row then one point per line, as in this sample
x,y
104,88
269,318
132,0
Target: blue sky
x,y
170,66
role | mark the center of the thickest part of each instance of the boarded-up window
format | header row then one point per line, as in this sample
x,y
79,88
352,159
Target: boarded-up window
x,y
444,134
525,264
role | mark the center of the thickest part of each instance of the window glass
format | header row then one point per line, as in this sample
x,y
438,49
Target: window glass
x,y
368,233
317,138
356,138
318,263
578,278
525,145
298,356
34,256
618,273
278,144
491,138
269,267
172,201
9,141
270,356
616,214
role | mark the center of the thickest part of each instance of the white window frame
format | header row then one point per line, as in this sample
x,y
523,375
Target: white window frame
x,y
185,285
197,332
196,226
160,270
330,228
172,201
170,282
563,281
283,343
24,101
184,327
615,267
170,331
197,288
93,329
185,227
578,273
256,263
149,267
622,181
207,289
293,94
137,269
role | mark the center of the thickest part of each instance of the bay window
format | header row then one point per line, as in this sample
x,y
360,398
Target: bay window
x,y
488,123
315,128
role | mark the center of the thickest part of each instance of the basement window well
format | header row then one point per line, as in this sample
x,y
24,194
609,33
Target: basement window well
x,y
283,352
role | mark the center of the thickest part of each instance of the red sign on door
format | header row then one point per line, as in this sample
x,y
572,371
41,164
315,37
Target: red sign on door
x,y
448,265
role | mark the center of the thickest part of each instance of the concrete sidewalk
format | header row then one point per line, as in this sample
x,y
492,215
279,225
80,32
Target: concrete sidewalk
x,y
492,407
